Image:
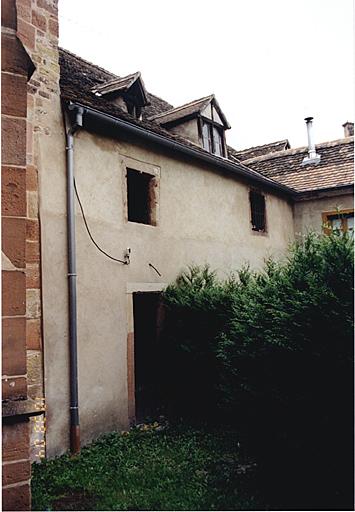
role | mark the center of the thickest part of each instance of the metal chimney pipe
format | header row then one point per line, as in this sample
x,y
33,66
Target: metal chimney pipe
x,y
313,157
311,145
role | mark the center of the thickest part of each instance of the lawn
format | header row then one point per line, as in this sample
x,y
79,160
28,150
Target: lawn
x,y
149,468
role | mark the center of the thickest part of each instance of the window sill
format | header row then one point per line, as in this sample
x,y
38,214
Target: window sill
x,y
141,224
259,233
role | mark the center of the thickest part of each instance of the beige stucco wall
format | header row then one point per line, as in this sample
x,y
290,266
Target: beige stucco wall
x,y
203,217
188,129
308,213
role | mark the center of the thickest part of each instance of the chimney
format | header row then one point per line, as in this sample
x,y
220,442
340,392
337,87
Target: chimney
x,y
312,157
348,129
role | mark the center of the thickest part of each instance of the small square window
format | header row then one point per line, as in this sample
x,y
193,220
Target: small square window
x,y
141,197
342,220
257,208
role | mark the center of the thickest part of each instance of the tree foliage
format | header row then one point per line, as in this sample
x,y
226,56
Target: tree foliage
x,y
272,351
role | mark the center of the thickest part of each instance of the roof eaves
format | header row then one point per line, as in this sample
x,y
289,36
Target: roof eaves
x,y
304,194
137,128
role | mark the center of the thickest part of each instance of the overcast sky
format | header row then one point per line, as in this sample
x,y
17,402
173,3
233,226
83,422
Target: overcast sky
x,y
270,63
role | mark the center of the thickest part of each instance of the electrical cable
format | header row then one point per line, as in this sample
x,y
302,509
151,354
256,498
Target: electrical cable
x,y
156,270
89,233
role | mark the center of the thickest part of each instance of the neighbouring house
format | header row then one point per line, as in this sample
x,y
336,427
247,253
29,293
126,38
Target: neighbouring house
x,y
324,187
156,188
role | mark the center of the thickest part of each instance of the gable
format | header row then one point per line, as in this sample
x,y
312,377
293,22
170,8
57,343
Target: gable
x,y
130,87
207,107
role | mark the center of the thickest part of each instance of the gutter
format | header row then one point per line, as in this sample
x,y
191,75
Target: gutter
x,y
143,133
319,192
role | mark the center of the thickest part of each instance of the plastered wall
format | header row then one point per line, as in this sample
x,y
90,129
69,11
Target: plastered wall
x,y
308,214
202,217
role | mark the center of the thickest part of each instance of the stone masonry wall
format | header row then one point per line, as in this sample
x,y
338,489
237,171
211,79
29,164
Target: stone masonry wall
x,y
38,30
16,67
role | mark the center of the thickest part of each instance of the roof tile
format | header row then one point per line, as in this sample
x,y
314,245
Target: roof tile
x,y
335,169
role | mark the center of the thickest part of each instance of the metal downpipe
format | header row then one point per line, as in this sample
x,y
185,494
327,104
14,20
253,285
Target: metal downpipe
x,y
73,351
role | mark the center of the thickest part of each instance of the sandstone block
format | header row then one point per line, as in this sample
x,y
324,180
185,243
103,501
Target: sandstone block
x,y
8,14
13,191
16,472
34,368
15,440
39,20
27,33
14,388
13,237
16,498
24,9
33,334
13,140
14,346
13,293
13,95
33,303
32,275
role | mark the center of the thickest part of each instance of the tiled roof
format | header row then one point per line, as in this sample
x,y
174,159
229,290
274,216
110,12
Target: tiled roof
x,y
265,149
188,109
335,169
182,111
78,77
118,84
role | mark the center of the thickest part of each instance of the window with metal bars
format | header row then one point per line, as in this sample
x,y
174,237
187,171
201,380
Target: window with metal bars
x,y
257,209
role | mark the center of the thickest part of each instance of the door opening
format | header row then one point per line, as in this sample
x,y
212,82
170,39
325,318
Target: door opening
x,y
147,320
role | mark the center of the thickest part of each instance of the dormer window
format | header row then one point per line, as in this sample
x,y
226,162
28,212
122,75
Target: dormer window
x,y
128,93
201,122
212,138
134,110
212,126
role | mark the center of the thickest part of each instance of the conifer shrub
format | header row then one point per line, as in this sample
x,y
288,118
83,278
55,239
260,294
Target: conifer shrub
x,y
272,352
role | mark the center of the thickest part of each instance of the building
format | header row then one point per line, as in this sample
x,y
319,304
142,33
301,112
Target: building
x,y
324,188
156,188
159,189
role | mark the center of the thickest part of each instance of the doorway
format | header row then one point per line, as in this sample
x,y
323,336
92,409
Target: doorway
x,y
147,311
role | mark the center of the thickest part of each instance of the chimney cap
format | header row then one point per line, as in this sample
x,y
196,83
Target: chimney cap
x,y
348,129
308,119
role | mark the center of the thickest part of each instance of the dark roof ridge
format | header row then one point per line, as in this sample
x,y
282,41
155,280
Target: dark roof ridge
x,y
119,78
175,109
274,143
295,151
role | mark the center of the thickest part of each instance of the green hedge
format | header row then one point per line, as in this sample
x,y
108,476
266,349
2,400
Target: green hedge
x,y
272,351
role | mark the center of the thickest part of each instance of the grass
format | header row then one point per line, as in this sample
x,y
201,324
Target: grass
x,y
149,468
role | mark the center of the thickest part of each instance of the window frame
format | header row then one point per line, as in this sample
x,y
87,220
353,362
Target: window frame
x,y
144,212
202,120
154,189
327,229
264,231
